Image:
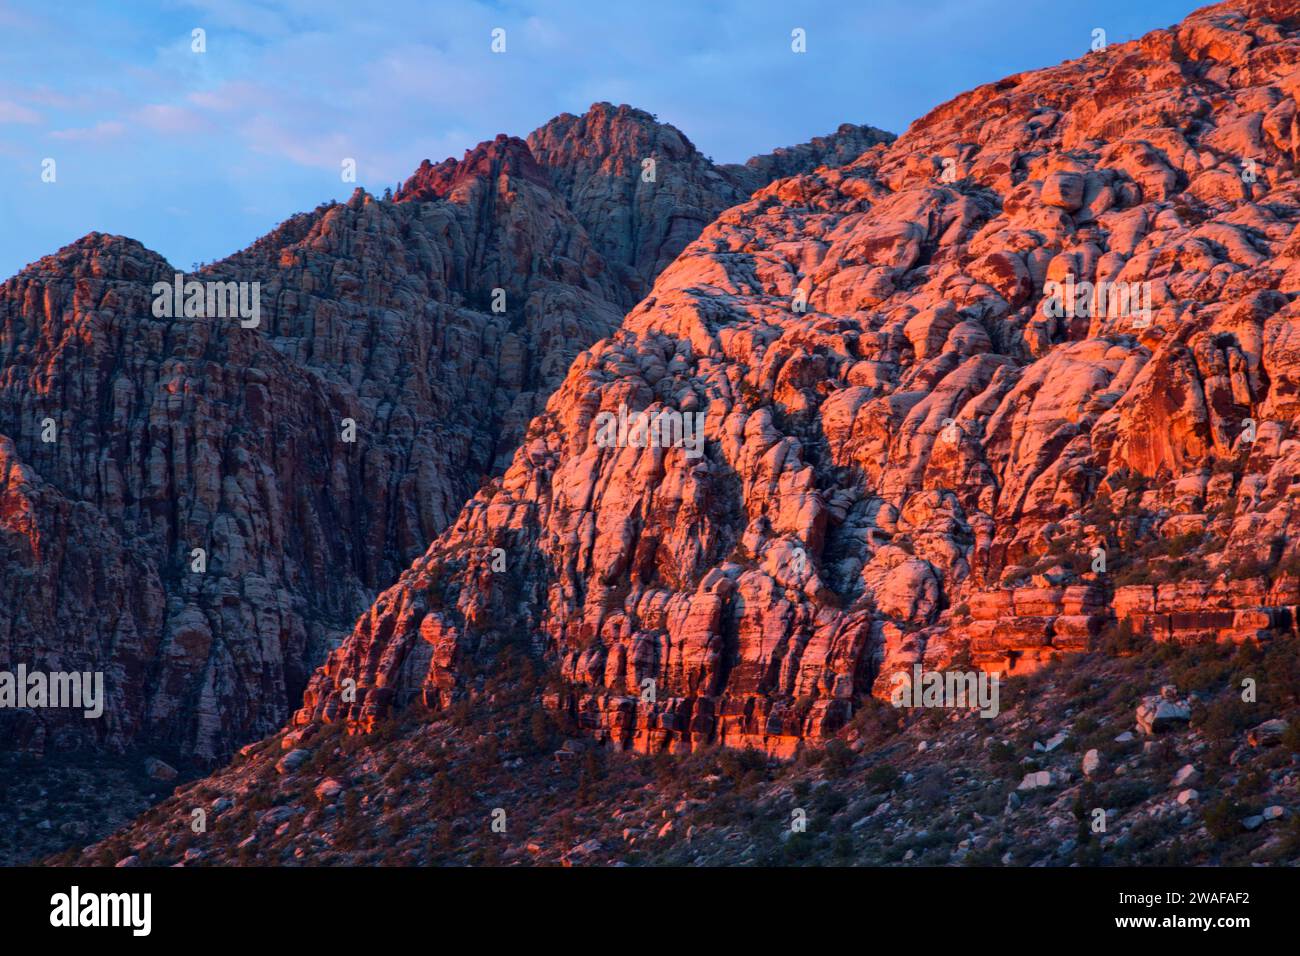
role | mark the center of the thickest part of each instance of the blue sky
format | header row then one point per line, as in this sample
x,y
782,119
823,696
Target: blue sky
x,y
197,154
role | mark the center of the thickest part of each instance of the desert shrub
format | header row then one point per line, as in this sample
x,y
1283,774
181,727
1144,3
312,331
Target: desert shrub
x,y
1201,668
740,764
838,757
1224,717
798,849
1222,819
933,787
1249,786
876,722
1291,736
541,731
1122,794
882,777
1289,842
1119,639
842,848
829,801
1181,544
397,774
1002,752
1084,725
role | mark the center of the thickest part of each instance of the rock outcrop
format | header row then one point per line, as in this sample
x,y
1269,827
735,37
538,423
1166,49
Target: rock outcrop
x,y
643,192
992,389
200,510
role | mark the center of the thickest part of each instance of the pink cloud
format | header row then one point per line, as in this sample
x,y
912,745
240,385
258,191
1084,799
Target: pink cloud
x,y
168,119
230,97
104,130
11,112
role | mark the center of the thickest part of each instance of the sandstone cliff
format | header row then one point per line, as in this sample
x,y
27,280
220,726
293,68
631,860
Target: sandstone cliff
x,y
923,442
434,325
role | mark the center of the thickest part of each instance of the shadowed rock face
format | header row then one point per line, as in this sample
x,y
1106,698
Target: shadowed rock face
x,y
438,323
643,192
640,189
840,148
926,462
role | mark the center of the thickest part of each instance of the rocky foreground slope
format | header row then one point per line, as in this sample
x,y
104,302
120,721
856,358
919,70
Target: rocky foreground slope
x,y
925,440
400,349
1065,774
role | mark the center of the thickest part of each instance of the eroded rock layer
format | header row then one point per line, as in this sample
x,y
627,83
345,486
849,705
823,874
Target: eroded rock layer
x,y
924,442
430,329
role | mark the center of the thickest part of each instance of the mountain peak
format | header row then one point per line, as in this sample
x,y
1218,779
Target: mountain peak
x,y
98,254
488,160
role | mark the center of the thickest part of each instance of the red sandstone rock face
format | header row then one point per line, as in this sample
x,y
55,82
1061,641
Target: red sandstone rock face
x,y
175,434
928,462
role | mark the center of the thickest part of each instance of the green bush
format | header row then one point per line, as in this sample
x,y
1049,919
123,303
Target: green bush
x,y
838,758
883,777
1222,819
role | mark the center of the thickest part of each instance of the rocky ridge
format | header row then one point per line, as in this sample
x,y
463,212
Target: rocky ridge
x,y
920,449
430,329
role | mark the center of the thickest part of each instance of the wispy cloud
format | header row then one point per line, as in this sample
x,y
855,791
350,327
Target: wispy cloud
x,y
165,118
254,129
99,133
14,113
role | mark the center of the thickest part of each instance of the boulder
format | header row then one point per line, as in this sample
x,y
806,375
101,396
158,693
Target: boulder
x,y
159,770
292,761
1037,780
1267,734
1064,190
1160,714
328,790
1092,762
